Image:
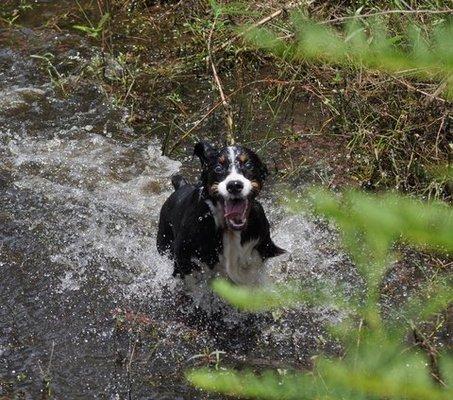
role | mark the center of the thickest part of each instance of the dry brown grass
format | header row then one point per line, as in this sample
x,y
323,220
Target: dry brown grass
x,y
340,124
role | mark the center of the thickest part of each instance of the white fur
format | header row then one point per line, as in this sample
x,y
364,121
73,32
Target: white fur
x,y
234,176
241,262
217,213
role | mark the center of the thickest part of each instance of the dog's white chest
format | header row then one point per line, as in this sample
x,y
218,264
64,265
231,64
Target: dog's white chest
x,y
241,262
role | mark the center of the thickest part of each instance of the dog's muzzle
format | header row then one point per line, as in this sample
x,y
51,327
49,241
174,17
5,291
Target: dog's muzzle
x,y
235,199
236,213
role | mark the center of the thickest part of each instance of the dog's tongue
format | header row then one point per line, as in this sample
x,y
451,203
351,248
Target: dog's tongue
x,y
235,208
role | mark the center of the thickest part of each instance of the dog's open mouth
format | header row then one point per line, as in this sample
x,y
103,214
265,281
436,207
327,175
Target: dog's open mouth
x,y
236,212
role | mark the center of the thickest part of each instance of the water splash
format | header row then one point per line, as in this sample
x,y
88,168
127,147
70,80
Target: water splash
x,y
80,211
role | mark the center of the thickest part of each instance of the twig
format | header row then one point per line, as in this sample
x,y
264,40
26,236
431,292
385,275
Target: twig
x,y
217,105
129,90
431,96
438,91
226,105
255,25
432,354
228,113
181,138
129,364
438,134
359,332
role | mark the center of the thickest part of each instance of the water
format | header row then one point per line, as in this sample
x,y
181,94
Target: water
x,y
88,309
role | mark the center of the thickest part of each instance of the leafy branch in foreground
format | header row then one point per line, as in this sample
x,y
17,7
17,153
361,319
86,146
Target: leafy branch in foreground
x,y
369,226
377,363
387,373
275,297
371,45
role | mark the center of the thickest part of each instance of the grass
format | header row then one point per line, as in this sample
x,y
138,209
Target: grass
x,y
348,124
55,76
394,127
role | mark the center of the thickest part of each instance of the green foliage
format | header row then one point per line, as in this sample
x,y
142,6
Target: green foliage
x,y
370,373
262,299
94,31
370,225
267,386
371,45
376,363
258,299
47,60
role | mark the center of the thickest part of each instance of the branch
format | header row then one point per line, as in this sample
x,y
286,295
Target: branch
x,y
226,105
256,25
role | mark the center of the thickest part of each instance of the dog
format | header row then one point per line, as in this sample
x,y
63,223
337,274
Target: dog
x,y
218,222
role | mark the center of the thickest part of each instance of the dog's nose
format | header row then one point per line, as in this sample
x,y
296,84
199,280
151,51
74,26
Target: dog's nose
x,y
234,187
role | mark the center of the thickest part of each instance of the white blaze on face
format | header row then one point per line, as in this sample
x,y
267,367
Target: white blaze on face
x,y
234,176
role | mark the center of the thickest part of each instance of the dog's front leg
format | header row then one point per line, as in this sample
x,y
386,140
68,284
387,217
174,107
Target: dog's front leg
x,y
183,267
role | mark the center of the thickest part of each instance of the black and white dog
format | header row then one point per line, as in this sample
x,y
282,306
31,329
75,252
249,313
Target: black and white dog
x,y
218,222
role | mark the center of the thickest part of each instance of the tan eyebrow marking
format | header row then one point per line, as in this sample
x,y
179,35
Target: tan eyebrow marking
x,y
256,185
222,159
243,157
214,188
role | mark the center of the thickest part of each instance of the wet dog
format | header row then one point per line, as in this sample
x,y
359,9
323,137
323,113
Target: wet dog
x,y
218,222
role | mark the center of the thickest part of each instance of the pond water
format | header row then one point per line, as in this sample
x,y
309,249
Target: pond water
x,y
88,309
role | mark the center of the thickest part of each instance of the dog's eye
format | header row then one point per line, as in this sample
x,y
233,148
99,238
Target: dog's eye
x,y
218,169
248,165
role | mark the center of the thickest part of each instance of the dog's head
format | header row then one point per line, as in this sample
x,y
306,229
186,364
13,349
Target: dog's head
x,y
232,177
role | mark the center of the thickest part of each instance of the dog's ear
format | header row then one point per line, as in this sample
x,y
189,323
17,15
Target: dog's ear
x,y
264,172
203,150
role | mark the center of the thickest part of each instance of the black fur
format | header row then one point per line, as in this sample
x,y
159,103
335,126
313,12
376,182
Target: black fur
x,y
187,227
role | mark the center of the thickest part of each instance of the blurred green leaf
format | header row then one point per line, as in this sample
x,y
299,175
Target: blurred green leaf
x,y
386,218
270,298
375,364
379,368
368,45
269,385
